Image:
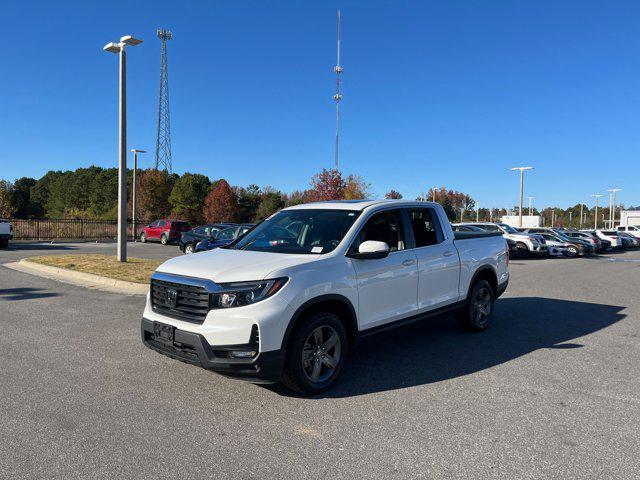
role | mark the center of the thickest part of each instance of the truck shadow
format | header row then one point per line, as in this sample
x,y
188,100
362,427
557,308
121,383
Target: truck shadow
x,y
437,350
13,294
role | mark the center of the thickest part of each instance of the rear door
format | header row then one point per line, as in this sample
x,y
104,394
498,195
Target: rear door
x,y
438,261
387,287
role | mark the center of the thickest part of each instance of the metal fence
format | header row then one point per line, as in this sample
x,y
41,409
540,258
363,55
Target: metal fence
x,y
70,229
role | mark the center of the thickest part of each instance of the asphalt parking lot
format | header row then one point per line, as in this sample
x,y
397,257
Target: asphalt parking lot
x,y
551,390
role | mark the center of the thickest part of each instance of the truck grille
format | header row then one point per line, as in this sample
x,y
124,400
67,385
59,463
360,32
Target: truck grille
x,y
189,303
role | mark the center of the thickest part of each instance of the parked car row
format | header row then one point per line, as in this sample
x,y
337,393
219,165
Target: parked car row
x,y
191,240
558,242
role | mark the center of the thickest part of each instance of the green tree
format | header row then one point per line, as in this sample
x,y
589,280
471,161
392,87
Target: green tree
x,y
188,195
7,208
25,208
356,188
271,202
249,200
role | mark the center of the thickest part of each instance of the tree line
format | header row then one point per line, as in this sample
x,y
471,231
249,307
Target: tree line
x,y
92,193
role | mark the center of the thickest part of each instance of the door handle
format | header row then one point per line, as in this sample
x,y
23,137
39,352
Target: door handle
x,y
448,253
408,262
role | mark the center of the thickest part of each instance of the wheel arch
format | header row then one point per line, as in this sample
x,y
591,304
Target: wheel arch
x,y
485,273
338,304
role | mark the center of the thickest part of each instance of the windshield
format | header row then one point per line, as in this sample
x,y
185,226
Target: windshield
x,y
299,231
508,229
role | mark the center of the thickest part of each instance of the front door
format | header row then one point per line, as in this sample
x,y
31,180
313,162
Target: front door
x,y
387,287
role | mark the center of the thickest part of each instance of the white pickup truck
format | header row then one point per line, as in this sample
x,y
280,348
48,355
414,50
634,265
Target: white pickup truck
x,y
288,300
6,233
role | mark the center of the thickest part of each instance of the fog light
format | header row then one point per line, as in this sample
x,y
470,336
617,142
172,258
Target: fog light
x,y
243,353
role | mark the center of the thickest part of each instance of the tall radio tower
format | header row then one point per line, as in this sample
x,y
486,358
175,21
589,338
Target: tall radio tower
x,y
337,97
163,139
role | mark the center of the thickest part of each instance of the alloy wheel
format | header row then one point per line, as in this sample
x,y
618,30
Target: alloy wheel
x,y
321,354
482,306
188,249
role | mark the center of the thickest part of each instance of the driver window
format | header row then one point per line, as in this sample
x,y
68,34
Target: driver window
x,y
383,227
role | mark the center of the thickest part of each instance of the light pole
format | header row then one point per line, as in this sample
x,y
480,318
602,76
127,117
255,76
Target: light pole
x,y
461,214
119,48
134,201
581,208
553,218
612,215
434,194
530,211
596,196
522,170
477,212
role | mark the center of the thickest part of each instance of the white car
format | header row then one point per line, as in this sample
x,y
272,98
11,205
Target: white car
x,y
288,304
612,236
534,245
6,233
631,230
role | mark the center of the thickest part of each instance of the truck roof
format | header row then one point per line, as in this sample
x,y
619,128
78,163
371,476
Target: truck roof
x,y
358,204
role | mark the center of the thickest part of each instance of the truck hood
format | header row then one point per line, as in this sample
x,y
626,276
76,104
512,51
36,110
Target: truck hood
x,y
225,265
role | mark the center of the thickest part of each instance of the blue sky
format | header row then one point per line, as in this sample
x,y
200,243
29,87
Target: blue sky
x,y
435,93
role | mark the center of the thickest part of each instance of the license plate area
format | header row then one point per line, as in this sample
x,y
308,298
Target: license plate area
x,y
163,333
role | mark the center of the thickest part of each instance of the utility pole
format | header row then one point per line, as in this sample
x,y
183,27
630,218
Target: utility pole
x,y
581,209
612,214
596,196
134,201
337,97
119,48
522,170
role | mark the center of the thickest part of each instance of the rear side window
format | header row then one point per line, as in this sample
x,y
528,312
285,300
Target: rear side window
x,y
162,223
490,228
425,227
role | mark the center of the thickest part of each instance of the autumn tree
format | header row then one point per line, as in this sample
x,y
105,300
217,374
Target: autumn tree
x,y
327,185
221,205
356,188
153,194
393,195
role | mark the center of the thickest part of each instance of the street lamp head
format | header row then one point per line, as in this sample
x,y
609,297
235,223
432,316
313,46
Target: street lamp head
x,y
130,40
521,168
112,47
135,150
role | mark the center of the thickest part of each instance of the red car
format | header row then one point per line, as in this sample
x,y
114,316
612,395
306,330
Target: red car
x,y
164,230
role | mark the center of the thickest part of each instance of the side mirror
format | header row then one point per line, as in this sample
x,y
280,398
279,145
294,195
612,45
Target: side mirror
x,y
370,250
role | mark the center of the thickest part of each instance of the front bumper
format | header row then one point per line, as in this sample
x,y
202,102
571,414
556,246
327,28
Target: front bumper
x,y
193,348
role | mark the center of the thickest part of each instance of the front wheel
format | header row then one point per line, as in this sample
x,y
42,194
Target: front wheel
x,y
316,354
163,239
572,252
478,312
189,249
143,237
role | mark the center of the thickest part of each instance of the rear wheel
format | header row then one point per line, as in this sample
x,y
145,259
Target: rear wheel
x,y
4,243
163,239
478,312
143,237
316,354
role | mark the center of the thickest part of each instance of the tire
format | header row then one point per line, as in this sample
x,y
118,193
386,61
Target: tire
x,y
572,252
524,250
163,239
143,237
189,248
4,243
305,370
472,318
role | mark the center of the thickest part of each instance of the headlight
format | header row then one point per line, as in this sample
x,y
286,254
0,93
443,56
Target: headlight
x,y
245,293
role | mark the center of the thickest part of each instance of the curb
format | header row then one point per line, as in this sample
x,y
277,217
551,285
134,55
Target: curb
x,y
88,280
